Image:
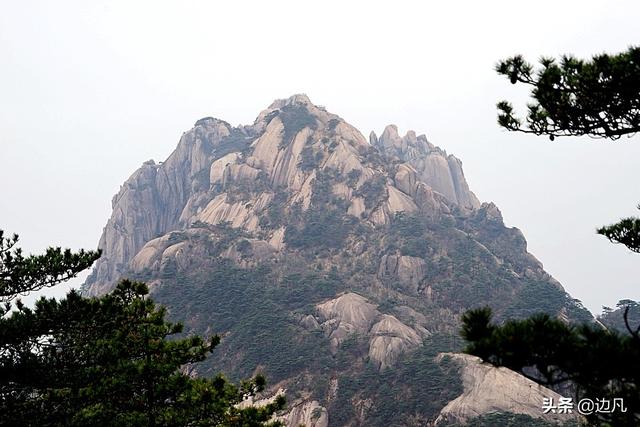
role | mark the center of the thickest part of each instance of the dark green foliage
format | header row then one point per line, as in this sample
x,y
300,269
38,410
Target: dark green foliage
x,y
416,385
244,247
543,297
251,307
476,326
353,176
510,420
295,118
108,361
203,121
600,363
271,116
309,159
373,191
599,98
614,319
322,229
225,236
237,140
325,224
245,188
626,232
20,274
372,156
275,214
332,124
105,361
409,231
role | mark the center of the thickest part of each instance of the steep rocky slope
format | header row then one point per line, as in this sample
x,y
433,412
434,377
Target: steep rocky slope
x,y
336,265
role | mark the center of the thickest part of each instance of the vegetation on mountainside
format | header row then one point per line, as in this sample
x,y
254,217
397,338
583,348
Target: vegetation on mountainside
x,y
615,318
373,191
294,118
510,420
112,360
326,224
250,307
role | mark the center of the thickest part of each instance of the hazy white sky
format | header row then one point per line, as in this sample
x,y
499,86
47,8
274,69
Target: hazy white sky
x,y
90,90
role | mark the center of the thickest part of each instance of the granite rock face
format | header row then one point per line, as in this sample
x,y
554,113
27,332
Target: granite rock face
x,y
151,202
283,149
406,270
309,413
442,172
351,314
337,265
488,389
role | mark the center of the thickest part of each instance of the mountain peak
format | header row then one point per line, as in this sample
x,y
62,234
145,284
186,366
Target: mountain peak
x,y
299,104
209,121
296,99
355,251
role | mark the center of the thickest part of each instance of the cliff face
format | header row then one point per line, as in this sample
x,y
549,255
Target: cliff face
x,y
150,203
442,172
338,266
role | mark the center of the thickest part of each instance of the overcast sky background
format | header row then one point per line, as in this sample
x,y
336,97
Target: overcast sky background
x,y
90,90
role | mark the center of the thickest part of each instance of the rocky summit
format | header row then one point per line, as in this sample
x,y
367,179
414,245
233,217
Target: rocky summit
x,y
337,266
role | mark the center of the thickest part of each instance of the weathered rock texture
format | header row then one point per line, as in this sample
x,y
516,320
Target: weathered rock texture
x,y
151,202
214,156
352,314
488,389
310,414
336,265
442,172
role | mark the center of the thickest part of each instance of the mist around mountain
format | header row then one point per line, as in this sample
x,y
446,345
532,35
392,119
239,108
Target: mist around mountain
x,y
337,266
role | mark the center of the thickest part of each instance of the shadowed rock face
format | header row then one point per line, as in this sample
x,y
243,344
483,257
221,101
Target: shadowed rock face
x,y
151,202
325,260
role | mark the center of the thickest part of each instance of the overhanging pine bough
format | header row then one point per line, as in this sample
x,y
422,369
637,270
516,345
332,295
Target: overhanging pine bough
x,y
599,98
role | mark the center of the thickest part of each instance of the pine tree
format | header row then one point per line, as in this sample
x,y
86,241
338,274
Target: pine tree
x,y
598,97
112,360
20,275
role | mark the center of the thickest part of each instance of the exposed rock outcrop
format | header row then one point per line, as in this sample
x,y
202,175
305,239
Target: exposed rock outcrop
x,y
489,389
390,338
347,314
353,314
336,265
135,220
440,171
214,173
151,201
310,414
407,271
